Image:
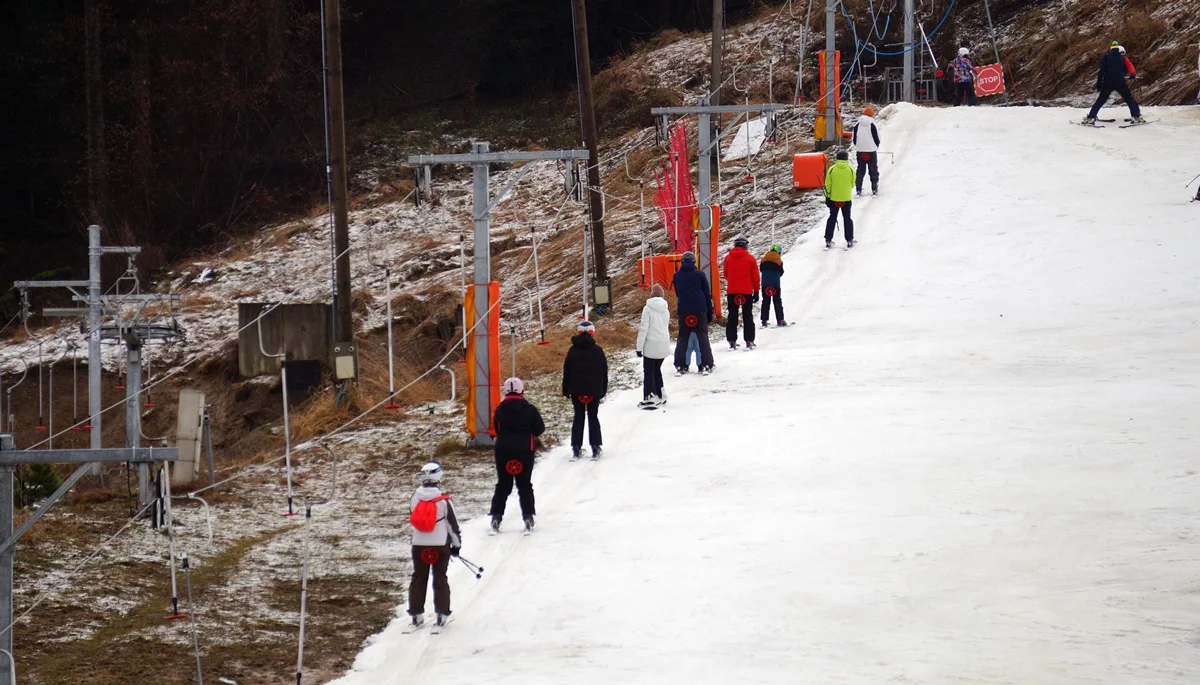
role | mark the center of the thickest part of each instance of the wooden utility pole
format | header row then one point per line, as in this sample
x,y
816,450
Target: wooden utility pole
x,y
343,321
587,115
718,35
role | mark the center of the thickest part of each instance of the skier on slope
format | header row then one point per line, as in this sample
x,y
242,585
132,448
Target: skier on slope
x,y
1114,69
772,273
585,383
741,286
866,141
963,73
653,346
435,539
518,424
695,312
839,187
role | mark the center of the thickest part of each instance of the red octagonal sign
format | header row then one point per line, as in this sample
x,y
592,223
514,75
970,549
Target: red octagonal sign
x,y
989,80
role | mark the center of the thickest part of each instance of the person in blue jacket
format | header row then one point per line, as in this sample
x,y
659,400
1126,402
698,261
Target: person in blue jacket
x,y
1113,72
771,268
695,310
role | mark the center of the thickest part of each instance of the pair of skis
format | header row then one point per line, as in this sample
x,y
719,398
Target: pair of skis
x,y
849,245
1130,123
434,627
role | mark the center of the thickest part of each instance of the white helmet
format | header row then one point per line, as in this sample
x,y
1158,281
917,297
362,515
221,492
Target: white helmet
x,y
1121,49
431,473
963,52
513,386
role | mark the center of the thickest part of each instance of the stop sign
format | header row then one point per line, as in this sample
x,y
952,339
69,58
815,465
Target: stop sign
x,y
989,80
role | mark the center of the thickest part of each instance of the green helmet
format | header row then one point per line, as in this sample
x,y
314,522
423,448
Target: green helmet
x,y
775,248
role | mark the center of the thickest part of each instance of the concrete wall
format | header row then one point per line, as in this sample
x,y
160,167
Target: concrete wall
x,y
302,330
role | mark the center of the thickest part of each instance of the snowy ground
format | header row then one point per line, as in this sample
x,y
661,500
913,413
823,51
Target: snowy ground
x,y
971,462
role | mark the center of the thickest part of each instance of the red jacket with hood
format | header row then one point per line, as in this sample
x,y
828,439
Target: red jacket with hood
x,y
741,272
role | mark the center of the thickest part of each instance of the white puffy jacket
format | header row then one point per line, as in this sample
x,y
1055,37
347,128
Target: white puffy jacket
x,y
866,135
654,335
446,530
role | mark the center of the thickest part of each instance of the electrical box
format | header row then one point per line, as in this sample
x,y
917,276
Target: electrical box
x,y
345,361
189,435
601,292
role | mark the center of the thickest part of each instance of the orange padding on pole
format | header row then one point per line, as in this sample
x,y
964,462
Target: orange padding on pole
x,y
492,383
658,270
819,125
716,264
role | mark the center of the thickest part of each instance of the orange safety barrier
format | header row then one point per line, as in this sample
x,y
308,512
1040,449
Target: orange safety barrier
x,y
715,276
658,269
819,126
490,384
808,170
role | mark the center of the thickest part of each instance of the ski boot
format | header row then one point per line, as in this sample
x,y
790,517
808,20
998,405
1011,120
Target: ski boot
x,y
418,620
781,323
1089,121
874,191
706,370
442,620
851,243
1139,119
495,524
751,345
528,524
733,344
576,452
597,450
828,244
766,325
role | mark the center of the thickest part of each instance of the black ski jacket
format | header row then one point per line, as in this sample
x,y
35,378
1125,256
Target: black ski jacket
x,y
585,370
517,423
1112,70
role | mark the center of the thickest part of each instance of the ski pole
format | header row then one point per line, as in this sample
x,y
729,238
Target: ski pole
x,y
477,570
1192,181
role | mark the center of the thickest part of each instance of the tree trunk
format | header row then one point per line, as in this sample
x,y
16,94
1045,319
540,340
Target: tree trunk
x,y
277,42
143,130
97,154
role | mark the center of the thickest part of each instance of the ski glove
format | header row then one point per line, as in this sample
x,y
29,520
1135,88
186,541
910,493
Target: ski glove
x,y
639,354
755,297
454,551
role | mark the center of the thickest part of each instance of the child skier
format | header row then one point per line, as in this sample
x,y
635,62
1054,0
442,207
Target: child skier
x,y
963,73
435,539
742,286
1114,69
517,423
866,141
772,273
653,346
839,186
695,312
585,383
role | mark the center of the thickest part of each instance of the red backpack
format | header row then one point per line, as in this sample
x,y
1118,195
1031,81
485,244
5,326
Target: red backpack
x,y
425,516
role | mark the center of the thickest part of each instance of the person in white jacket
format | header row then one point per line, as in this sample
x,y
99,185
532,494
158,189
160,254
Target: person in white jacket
x,y
866,142
653,346
432,548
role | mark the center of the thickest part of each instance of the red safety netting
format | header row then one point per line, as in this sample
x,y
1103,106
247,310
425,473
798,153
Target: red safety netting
x,y
675,197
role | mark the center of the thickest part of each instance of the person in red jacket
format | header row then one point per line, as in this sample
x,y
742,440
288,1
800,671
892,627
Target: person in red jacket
x,y
741,287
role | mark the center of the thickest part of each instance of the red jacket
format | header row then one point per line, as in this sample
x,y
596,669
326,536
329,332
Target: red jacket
x,y
741,272
1129,67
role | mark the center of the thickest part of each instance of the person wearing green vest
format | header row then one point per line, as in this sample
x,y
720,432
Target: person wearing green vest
x,y
839,186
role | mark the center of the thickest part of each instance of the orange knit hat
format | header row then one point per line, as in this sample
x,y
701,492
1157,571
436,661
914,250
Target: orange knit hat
x,y
870,111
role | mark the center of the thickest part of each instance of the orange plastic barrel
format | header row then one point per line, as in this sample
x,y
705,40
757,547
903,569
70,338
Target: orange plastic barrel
x,y
808,170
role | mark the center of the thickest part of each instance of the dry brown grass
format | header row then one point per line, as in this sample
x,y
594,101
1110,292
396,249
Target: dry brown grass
x,y
244,292
284,234
624,95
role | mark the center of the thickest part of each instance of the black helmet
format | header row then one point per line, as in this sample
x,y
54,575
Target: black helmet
x,y
741,242
842,154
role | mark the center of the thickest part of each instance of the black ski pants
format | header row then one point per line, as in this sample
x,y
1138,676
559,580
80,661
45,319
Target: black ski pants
x,y
964,91
513,468
652,378
772,294
1121,89
868,162
422,555
592,410
688,324
847,222
745,305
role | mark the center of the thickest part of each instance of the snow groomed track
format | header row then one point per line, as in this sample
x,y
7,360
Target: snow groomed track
x,y
973,461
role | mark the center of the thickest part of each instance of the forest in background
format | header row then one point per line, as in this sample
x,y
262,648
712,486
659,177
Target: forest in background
x,y
209,112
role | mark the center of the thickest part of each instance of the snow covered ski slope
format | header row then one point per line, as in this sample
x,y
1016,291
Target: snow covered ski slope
x,y
972,461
